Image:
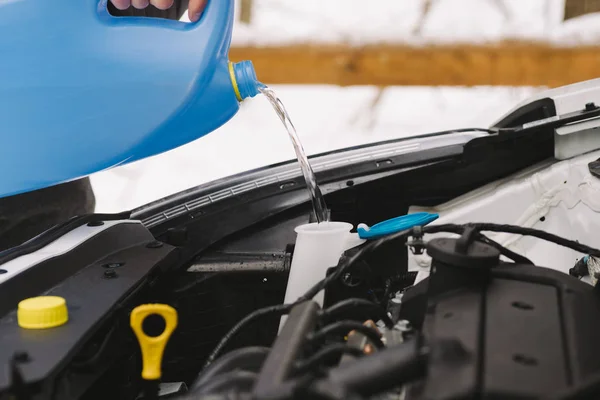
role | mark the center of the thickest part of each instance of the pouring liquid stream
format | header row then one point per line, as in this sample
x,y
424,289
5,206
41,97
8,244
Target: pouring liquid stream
x,y
316,197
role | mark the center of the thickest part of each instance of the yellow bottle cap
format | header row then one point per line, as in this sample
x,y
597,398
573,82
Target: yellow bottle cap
x,y
153,347
42,312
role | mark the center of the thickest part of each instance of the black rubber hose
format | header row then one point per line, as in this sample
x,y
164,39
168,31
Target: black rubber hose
x,y
381,371
330,313
278,310
246,359
328,353
343,327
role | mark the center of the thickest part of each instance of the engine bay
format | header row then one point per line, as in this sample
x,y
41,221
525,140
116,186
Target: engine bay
x,y
496,299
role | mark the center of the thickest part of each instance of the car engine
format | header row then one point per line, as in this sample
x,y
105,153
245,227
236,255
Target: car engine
x,y
486,323
185,298
478,327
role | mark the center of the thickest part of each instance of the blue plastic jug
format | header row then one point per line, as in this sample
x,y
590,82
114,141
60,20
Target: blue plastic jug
x,y
82,91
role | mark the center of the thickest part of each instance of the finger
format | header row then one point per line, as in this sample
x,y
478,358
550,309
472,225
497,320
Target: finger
x,y
139,4
196,7
121,4
162,4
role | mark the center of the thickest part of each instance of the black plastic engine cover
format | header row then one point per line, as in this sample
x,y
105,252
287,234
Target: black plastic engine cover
x,y
505,332
64,362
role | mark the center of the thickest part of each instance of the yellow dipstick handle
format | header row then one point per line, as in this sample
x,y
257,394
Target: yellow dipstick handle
x,y
153,347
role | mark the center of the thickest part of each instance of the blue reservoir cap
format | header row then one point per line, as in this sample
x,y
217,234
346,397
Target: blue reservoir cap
x,y
394,225
245,79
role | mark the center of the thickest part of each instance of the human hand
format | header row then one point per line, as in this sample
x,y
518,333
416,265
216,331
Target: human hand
x,y
195,6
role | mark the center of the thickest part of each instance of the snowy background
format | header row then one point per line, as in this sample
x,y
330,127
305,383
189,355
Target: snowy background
x,y
330,117
280,22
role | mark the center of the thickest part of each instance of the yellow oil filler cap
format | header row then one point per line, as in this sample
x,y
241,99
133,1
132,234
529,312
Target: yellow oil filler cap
x,y
153,346
42,312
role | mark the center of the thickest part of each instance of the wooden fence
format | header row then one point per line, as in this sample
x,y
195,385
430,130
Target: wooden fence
x,y
513,64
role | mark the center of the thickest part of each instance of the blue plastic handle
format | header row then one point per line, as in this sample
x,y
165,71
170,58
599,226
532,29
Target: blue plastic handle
x,y
82,91
396,225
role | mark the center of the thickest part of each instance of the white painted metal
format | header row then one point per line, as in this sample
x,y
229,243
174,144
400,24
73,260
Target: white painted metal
x,y
561,197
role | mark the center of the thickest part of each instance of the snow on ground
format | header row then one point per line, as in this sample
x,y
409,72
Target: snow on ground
x,y
327,118
360,22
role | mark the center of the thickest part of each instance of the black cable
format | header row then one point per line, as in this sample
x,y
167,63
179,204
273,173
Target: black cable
x,y
353,303
328,353
278,310
447,228
345,327
518,230
514,229
348,262
450,228
517,258
246,358
285,308
373,245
